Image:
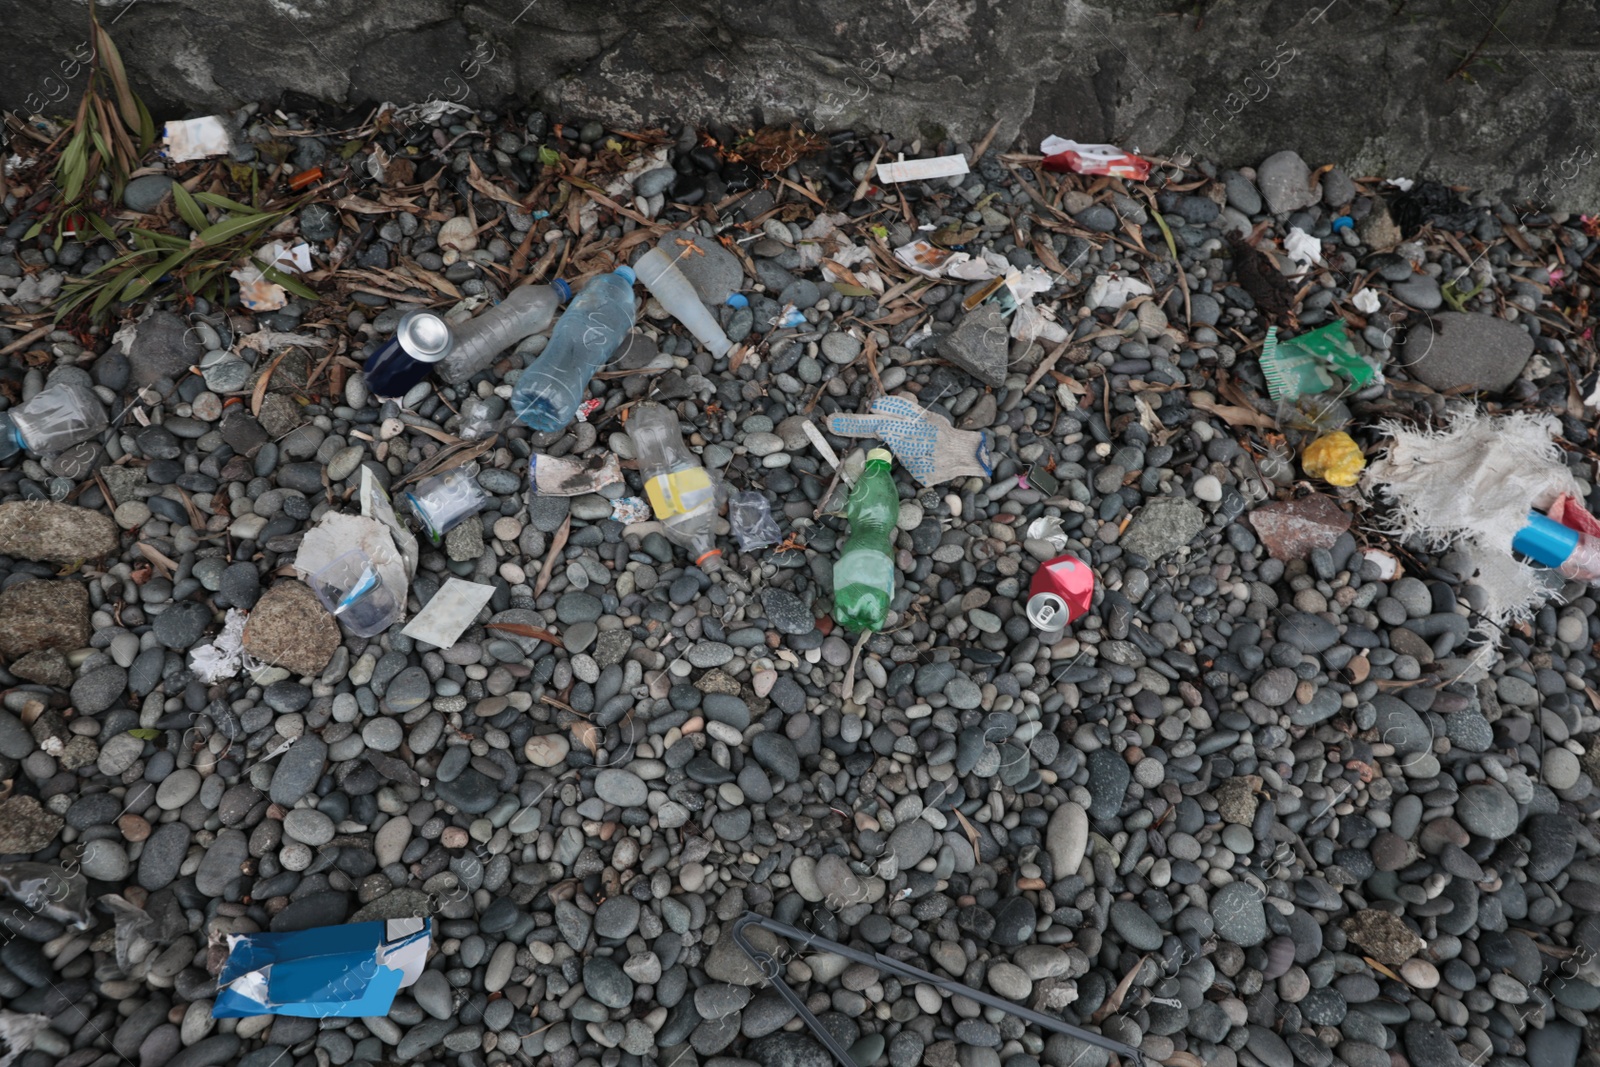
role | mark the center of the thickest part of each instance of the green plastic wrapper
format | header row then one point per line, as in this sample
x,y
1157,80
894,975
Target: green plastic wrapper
x,y
1306,364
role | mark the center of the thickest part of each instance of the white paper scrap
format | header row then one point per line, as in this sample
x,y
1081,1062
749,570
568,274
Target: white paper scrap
x,y
912,170
1366,301
446,617
196,139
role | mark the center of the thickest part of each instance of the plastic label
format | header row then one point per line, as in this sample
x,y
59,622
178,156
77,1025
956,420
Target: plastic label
x,y
679,493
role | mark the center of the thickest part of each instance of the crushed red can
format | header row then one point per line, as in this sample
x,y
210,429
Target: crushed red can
x,y
1070,157
1061,592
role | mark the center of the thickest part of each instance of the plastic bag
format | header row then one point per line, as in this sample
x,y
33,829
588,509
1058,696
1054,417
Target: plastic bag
x,y
753,524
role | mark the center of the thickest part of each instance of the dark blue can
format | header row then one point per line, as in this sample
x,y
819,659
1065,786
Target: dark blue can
x,y
421,340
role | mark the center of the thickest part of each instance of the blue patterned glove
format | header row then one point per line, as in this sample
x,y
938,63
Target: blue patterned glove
x,y
925,443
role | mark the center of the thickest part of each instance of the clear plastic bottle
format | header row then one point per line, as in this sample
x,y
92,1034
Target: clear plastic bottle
x,y
680,489
585,338
59,416
525,311
1574,555
863,578
676,293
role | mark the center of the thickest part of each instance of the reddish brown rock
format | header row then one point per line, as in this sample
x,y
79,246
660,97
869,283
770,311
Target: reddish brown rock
x,y
1292,528
290,628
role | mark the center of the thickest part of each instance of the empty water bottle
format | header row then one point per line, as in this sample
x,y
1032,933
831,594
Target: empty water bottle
x,y
676,294
59,416
680,489
548,392
524,312
863,579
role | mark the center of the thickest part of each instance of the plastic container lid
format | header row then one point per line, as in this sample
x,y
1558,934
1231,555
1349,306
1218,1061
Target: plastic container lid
x,y
880,455
563,290
626,272
1545,540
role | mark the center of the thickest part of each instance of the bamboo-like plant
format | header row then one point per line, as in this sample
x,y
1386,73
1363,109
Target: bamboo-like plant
x,y
111,133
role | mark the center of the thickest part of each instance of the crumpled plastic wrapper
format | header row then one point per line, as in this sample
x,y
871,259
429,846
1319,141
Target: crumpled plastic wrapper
x,y
48,890
1113,291
1048,529
570,476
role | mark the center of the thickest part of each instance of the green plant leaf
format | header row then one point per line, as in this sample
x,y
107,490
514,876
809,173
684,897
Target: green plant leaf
x,y
33,231
144,733
548,156
101,226
349,149
156,239
147,127
229,228
188,208
213,200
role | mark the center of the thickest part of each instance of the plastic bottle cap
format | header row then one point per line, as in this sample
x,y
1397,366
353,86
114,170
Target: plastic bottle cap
x,y
880,455
563,290
738,300
626,273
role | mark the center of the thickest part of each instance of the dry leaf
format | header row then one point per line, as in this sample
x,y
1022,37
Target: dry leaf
x,y
1114,1001
1381,969
1232,415
972,835
587,735
261,384
522,629
476,179
557,543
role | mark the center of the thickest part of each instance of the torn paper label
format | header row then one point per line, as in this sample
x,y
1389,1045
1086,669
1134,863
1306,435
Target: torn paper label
x,y
446,617
256,292
346,971
913,170
375,504
569,476
196,139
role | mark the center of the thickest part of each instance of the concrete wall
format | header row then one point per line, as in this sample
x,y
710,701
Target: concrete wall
x,y
1366,83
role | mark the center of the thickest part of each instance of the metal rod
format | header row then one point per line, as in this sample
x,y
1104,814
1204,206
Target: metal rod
x,y
770,970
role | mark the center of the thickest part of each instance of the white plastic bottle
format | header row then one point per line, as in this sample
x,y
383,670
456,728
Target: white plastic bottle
x,y
676,293
525,311
59,416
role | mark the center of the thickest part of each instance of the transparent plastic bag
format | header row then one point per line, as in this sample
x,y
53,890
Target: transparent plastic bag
x,y
753,525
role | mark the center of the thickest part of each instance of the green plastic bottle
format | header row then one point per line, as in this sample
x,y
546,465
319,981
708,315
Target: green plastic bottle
x,y
863,579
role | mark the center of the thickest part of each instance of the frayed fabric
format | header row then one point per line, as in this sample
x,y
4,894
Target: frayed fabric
x,y
1469,487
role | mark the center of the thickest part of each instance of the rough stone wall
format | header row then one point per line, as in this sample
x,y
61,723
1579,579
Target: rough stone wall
x,y
1362,82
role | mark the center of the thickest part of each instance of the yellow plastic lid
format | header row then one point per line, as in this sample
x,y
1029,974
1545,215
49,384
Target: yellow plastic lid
x,y
882,455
